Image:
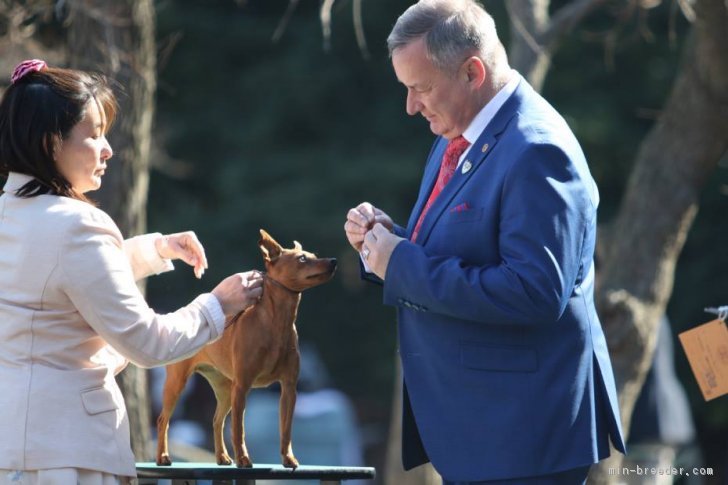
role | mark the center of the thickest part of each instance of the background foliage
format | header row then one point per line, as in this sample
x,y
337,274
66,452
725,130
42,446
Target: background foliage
x,y
287,136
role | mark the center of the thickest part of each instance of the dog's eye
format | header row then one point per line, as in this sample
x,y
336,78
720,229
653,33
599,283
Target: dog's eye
x,y
302,259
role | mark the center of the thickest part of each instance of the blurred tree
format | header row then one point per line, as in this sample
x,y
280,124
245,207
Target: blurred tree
x,y
660,205
117,38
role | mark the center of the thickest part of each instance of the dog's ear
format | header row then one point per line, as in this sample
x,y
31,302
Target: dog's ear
x,y
268,246
297,246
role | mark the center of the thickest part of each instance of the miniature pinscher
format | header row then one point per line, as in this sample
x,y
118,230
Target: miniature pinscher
x,y
258,347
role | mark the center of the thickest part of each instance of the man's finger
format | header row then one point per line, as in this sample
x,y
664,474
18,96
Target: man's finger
x,y
357,219
367,210
353,227
379,230
369,239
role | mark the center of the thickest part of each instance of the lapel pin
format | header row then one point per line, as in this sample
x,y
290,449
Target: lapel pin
x,y
485,148
467,166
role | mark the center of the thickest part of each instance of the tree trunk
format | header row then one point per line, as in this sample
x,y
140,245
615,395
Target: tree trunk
x,y
117,39
535,35
528,52
660,204
394,472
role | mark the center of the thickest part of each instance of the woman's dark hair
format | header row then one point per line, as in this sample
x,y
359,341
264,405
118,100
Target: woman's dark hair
x,y
38,112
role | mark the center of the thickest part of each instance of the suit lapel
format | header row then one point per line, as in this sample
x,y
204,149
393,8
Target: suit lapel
x,y
474,160
432,168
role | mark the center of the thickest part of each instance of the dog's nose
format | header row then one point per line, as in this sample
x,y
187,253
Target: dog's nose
x,y
333,262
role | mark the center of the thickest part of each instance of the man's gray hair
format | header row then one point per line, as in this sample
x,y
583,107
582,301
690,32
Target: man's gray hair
x,y
453,30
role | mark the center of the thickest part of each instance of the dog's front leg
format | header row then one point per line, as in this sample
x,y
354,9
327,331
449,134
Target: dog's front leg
x,y
285,415
239,395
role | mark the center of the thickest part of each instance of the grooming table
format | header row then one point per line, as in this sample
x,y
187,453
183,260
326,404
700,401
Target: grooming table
x,y
189,473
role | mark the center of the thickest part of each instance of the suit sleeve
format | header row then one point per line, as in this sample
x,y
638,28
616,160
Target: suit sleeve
x,y
97,277
364,271
545,209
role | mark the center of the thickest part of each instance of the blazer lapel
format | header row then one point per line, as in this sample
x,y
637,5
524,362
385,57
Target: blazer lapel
x,y
474,160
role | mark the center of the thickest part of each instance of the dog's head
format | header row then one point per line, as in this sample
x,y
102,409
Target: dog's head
x,y
294,268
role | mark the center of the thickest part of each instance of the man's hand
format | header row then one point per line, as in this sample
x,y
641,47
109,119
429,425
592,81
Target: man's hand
x,y
361,219
377,248
184,246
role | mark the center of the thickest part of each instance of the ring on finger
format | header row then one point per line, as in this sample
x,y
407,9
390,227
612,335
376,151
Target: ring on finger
x,y
365,252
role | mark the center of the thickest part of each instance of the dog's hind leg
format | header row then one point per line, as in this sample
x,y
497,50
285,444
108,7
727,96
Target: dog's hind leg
x,y
177,375
221,387
285,422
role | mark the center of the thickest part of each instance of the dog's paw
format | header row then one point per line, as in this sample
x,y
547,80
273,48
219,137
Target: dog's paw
x,y
224,459
290,461
244,462
164,460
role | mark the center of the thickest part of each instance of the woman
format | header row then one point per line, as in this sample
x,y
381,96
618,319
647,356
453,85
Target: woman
x,y
71,315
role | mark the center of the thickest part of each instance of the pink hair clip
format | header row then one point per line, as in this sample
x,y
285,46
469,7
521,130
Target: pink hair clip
x,y
31,65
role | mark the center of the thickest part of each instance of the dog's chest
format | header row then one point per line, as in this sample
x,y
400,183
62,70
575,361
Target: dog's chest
x,y
280,360
263,350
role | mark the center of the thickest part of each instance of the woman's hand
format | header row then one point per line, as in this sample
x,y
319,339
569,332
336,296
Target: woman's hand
x,y
184,246
239,291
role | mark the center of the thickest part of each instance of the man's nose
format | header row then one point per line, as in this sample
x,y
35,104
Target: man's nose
x,y
413,104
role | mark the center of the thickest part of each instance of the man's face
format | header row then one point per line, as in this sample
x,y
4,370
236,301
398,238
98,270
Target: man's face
x,y
443,99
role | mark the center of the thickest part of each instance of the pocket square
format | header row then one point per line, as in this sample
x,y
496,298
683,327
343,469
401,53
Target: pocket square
x,y
460,207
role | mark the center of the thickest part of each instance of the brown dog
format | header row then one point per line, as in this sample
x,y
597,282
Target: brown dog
x,y
258,347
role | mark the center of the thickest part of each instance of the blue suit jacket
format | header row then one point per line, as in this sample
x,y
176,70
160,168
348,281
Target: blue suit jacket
x,y
505,364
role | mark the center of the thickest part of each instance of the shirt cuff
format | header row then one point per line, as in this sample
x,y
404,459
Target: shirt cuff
x,y
213,312
364,264
150,255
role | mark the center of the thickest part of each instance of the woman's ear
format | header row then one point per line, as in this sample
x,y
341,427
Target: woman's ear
x,y
53,145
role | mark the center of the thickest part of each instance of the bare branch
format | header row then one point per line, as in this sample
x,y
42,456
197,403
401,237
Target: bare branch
x,y
283,24
325,15
516,20
100,14
361,40
568,16
687,9
166,47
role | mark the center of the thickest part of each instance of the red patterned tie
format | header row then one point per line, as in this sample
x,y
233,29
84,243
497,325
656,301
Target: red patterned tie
x,y
454,150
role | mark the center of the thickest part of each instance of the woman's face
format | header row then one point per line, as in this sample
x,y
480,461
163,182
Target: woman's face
x,y
82,156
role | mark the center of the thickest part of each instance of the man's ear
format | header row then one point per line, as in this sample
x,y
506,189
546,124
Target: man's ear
x,y
269,247
474,71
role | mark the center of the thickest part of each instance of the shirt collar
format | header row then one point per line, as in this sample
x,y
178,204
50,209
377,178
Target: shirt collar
x,y
15,181
481,120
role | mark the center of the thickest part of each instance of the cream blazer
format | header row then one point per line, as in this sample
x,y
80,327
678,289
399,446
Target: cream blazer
x,y
71,318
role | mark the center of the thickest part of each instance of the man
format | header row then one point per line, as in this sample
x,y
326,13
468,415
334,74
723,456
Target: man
x,y
507,378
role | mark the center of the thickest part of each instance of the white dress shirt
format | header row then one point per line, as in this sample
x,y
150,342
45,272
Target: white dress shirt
x,y
479,123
